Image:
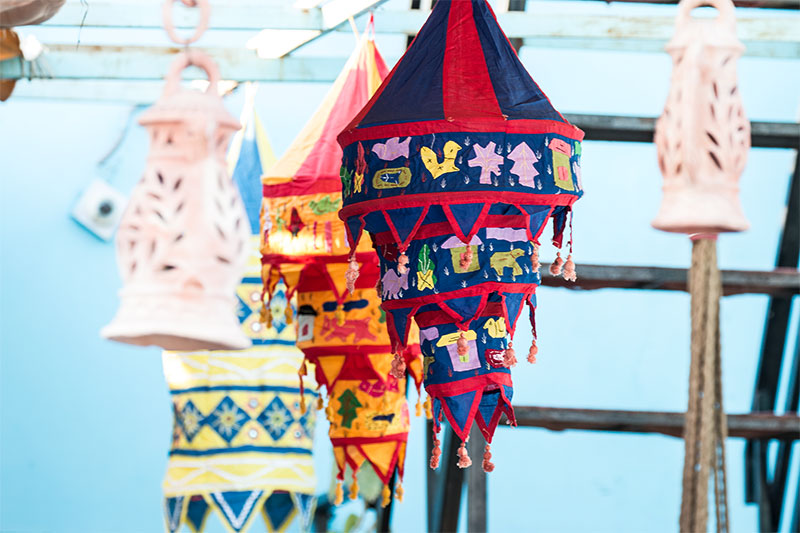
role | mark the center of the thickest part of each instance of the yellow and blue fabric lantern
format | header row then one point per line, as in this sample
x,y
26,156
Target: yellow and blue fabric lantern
x,y
464,161
241,444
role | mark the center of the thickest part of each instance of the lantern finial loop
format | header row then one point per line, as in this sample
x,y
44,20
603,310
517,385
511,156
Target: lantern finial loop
x,y
202,24
187,59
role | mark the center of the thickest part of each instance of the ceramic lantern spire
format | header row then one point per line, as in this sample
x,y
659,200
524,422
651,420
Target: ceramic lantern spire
x,y
464,160
342,333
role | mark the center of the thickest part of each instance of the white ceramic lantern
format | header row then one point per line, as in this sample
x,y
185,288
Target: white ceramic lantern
x,y
703,136
182,243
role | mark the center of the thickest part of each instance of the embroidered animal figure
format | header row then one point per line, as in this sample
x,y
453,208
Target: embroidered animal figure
x,y
447,165
392,283
392,149
502,260
358,328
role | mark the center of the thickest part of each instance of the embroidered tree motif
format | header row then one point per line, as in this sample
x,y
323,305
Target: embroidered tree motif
x,y
349,405
487,160
426,279
524,159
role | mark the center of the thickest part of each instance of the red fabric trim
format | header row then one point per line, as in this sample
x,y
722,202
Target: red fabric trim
x,y
475,290
438,229
467,89
467,385
355,441
456,197
302,187
364,258
454,388
346,350
437,318
471,125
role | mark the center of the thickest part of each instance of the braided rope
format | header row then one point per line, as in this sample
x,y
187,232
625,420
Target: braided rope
x,y
706,427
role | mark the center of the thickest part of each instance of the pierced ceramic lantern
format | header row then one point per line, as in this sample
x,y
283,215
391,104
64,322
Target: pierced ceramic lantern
x,y
182,243
703,136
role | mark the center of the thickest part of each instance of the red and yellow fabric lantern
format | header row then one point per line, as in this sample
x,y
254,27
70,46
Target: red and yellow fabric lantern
x,y
342,332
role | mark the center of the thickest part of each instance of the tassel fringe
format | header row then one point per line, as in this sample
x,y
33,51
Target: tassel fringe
x,y
509,356
398,367
402,264
354,488
398,492
569,269
488,465
351,275
386,494
535,265
556,266
339,498
436,453
463,457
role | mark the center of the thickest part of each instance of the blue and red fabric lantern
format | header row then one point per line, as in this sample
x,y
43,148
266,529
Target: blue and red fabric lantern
x,y
464,161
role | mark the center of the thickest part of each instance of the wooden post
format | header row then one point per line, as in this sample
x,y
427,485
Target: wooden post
x,y
476,484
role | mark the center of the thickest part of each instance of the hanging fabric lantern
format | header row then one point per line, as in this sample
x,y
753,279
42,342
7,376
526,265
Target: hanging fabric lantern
x,y
241,443
703,137
464,160
182,242
27,12
341,328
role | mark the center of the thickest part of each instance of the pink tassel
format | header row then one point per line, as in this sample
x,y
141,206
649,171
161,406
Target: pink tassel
x,y
402,263
463,457
532,352
398,367
466,258
488,465
351,275
436,453
509,357
569,269
462,346
555,267
535,258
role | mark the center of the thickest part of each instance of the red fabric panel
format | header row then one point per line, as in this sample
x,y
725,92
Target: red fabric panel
x,y
467,87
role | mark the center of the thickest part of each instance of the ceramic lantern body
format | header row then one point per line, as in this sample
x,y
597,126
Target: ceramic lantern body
x,y
26,12
182,243
703,136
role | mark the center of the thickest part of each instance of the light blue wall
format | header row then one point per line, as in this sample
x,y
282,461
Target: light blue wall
x,y
86,423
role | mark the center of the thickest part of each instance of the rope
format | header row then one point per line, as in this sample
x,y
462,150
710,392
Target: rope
x,y
706,427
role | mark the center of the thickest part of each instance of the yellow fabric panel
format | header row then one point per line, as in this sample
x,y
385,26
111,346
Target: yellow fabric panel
x,y
362,326
380,455
357,413
331,366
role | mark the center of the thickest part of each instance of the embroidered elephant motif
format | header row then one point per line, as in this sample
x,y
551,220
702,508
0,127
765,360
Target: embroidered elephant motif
x,y
502,260
392,283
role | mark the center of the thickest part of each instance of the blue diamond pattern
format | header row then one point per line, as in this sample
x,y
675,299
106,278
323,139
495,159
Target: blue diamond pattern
x,y
227,419
276,418
190,420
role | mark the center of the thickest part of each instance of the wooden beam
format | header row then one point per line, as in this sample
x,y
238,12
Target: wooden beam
x,y
769,36
748,426
784,282
641,129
